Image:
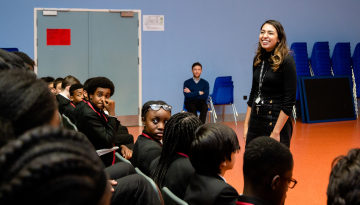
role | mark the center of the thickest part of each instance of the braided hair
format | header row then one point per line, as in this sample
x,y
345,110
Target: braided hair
x,y
344,183
179,133
51,166
26,102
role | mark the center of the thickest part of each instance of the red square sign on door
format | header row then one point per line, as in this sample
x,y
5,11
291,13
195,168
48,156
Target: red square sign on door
x,y
58,37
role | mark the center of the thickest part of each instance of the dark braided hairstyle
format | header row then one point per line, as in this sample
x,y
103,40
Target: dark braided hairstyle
x,y
51,166
179,133
344,183
26,102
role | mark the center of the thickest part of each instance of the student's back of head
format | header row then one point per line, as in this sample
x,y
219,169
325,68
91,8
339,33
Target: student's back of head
x,y
213,144
69,81
29,63
9,60
344,183
52,166
267,169
25,102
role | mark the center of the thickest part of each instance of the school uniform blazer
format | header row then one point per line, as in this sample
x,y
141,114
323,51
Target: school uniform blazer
x,y
209,190
99,131
178,174
65,107
144,152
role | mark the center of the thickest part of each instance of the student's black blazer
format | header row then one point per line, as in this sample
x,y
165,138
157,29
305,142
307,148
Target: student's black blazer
x,y
99,131
65,107
144,152
178,174
209,190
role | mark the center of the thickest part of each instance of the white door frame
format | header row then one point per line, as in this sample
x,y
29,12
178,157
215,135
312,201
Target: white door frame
x,y
95,10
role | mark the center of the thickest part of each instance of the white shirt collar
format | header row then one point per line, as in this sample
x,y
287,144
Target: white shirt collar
x,y
64,96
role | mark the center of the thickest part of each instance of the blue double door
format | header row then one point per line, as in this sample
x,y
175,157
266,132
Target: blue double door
x,y
99,43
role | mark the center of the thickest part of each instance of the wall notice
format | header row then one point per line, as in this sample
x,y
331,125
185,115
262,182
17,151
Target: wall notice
x,y
153,23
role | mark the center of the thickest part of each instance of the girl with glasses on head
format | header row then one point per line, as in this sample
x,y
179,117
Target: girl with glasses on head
x,y
148,146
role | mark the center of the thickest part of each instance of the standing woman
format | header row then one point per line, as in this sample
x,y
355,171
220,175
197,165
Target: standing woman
x,y
273,91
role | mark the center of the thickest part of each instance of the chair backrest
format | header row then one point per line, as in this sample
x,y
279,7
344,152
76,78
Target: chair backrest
x,y
11,49
223,92
66,122
300,54
320,59
122,158
356,67
341,59
170,198
153,184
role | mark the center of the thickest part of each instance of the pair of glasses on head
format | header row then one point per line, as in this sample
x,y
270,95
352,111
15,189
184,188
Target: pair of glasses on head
x,y
157,107
292,183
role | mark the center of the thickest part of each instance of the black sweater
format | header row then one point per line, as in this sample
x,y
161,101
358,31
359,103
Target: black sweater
x,y
279,86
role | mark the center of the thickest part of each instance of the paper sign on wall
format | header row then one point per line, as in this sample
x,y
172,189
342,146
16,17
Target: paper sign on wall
x,y
153,22
58,37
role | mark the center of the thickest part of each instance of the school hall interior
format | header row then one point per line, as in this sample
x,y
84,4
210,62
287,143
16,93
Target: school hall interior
x,y
223,36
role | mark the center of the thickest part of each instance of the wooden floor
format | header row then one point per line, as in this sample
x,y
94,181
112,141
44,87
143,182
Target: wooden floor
x,y
313,146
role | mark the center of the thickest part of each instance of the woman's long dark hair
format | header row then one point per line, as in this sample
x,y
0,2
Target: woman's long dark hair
x,y
178,135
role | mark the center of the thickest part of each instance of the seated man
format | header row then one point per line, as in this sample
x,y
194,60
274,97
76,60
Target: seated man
x,y
344,183
267,168
213,152
196,92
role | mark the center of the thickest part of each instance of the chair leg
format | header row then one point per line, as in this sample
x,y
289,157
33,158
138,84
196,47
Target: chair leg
x,y
223,113
235,113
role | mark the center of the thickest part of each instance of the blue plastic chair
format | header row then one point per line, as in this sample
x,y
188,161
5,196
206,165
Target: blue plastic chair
x,y
300,54
320,59
223,94
11,49
356,67
211,111
341,59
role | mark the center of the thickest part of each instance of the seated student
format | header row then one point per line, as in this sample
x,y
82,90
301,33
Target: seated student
x,y
57,85
154,115
344,182
94,123
212,153
268,166
50,82
52,166
9,60
76,94
63,97
173,168
20,107
29,63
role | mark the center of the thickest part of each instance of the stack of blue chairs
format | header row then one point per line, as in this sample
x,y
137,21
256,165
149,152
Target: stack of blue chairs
x,y
320,59
223,94
299,52
356,67
341,60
